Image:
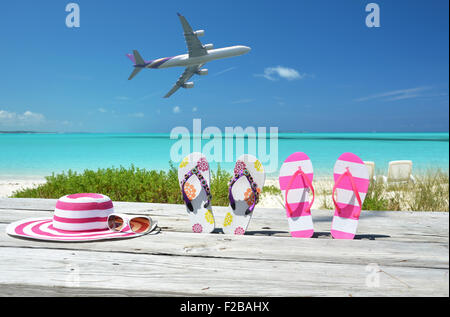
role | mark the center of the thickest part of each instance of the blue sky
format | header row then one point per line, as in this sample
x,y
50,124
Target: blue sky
x,y
314,66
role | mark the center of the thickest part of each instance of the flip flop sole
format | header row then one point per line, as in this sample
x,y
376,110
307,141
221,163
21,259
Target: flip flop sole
x,y
300,221
236,221
201,218
345,220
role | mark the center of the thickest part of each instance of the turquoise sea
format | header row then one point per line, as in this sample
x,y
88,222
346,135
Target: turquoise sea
x,y
28,156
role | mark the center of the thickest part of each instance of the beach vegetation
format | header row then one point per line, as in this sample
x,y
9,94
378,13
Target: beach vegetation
x,y
430,191
127,184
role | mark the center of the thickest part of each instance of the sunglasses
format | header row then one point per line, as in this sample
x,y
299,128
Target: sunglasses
x,y
135,223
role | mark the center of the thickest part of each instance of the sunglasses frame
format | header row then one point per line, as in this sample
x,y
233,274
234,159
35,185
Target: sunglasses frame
x,y
126,218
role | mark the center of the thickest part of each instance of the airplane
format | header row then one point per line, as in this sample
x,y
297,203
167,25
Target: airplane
x,y
198,55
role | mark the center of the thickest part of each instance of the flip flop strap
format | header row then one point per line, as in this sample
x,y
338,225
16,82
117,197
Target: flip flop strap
x,y
253,186
195,171
308,183
355,191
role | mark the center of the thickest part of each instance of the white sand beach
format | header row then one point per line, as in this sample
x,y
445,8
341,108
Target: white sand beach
x,y
323,188
8,186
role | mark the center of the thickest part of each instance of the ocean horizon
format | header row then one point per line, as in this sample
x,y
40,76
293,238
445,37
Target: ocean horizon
x,y
36,155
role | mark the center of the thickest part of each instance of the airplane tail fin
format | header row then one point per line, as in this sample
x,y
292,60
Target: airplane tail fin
x,y
137,57
138,61
131,57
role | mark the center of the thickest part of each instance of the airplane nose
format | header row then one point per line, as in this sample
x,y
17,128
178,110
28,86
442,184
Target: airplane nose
x,y
245,49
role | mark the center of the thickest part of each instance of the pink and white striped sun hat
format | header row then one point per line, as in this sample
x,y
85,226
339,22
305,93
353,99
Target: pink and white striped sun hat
x,y
77,217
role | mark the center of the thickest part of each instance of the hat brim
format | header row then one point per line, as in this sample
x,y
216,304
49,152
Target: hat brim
x,y
42,229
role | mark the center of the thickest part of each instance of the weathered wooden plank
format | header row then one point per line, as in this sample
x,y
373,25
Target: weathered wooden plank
x,y
396,226
170,209
196,276
16,290
411,249
406,254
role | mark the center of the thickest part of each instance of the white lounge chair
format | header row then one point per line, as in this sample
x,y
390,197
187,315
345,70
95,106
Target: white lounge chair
x,y
399,172
371,167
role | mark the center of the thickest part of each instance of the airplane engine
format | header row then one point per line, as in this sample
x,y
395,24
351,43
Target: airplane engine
x,y
188,85
199,32
208,46
202,72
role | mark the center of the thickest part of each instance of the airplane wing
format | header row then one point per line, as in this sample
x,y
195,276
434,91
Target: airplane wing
x,y
187,74
195,47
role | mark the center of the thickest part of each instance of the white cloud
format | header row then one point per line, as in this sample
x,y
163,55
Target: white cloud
x,y
5,115
394,95
27,116
102,110
27,119
240,101
194,109
31,116
275,73
137,115
176,109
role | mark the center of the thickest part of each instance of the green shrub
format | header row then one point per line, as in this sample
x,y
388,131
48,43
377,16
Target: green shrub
x,y
430,192
219,186
375,197
122,184
271,190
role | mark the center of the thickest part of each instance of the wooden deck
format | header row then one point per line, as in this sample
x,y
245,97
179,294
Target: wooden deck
x,y
394,254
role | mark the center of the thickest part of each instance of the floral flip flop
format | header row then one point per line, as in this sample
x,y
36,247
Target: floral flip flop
x,y
194,177
243,192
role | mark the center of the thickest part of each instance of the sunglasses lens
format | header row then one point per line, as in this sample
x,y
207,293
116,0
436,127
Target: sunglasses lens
x,y
115,223
140,224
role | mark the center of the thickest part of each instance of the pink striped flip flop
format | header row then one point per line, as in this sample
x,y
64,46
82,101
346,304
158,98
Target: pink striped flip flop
x,y
351,182
296,175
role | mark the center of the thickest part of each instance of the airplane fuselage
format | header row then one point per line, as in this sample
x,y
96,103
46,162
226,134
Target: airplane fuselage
x,y
197,56
184,60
